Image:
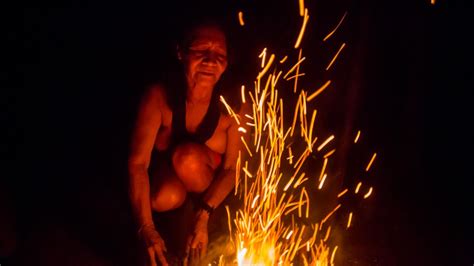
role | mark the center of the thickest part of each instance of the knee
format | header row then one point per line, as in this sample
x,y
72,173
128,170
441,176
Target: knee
x,y
186,156
189,162
188,159
169,196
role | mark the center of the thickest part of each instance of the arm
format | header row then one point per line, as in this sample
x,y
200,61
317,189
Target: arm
x,y
146,128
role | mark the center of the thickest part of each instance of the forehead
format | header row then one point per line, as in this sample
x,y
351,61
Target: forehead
x,y
207,34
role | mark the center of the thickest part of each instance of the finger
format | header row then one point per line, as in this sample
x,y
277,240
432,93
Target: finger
x,y
151,257
191,260
188,245
194,254
198,253
160,255
163,246
195,242
203,250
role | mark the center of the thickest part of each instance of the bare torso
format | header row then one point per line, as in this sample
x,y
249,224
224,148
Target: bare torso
x,y
194,115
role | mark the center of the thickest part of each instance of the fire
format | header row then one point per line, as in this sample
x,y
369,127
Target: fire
x,y
267,227
273,226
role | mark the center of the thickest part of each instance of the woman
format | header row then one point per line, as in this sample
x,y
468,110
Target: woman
x,y
198,145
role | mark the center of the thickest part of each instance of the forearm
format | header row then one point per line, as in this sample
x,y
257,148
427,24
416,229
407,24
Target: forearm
x,y
140,196
221,186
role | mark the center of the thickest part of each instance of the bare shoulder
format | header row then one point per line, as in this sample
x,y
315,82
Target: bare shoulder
x,y
154,97
156,92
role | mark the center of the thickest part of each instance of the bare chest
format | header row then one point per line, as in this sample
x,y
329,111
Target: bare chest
x,y
217,142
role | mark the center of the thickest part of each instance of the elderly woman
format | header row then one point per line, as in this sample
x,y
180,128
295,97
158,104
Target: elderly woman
x,y
198,145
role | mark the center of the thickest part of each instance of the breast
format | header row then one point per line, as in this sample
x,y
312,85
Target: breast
x,y
218,140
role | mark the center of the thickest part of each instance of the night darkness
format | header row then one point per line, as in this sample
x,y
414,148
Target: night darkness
x,y
76,72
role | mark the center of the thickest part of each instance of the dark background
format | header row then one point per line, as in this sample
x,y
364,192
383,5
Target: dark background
x,y
76,71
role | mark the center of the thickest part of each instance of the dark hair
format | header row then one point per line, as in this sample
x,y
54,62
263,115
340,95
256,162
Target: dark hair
x,y
187,32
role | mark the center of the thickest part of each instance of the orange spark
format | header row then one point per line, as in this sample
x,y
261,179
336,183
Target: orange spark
x,y
325,142
255,201
290,157
302,9
316,93
247,172
358,187
342,193
357,136
289,184
300,180
331,213
313,117
303,27
335,56
229,109
323,169
329,153
349,220
237,173
328,233
270,61
334,30
322,181
294,67
246,146
296,76
333,255
262,55
370,163
368,193
241,18
295,86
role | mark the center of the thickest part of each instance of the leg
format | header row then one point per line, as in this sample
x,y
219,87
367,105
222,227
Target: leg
x,y
167,191
195,165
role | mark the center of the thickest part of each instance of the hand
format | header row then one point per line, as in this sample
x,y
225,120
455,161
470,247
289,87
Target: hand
x,y
155,245
196,246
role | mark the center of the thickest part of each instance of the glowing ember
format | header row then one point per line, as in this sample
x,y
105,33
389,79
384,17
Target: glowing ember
x,y
241,18
357,136
335,29
370,163
335,56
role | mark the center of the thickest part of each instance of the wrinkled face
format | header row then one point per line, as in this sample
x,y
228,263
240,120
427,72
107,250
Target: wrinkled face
x,y
205,58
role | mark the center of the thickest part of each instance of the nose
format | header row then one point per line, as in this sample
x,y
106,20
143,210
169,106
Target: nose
x,y
210,58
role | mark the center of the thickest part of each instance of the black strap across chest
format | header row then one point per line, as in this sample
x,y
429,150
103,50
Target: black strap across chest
x,y
204,131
